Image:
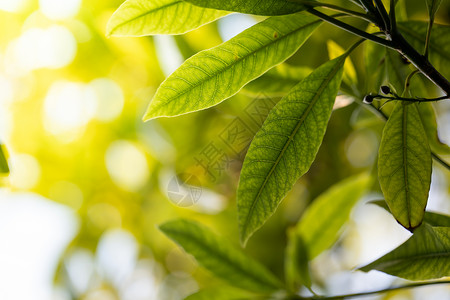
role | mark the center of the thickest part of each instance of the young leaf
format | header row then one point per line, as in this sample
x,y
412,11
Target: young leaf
x,y
433,6
334,50
432,218
285,147
296,263
213,75
139,18
255,7
221,258
404,165
415,32
4,169
428,117
425,255
278,81
321,223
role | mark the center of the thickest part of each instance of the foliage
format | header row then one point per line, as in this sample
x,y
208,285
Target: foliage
x,y
286,145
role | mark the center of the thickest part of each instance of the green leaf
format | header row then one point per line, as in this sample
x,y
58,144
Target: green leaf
x,y
139,18
426,255
278,81
213,75
255,7
432,218
296,263
433,6
396,70
285,147
221,293
221,258
4,169
415,32
404,165
321,223
428,116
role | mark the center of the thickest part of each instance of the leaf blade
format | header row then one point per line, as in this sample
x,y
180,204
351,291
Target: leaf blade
x,y
140,18
210,77
255,7
404,165
426,255
259,190
221,258
323,219
4,168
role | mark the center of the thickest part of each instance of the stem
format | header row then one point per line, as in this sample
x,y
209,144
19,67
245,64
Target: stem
x,y
384,15
351,29
427,39
312,4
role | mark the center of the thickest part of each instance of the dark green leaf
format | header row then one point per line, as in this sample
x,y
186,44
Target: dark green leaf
x,y
221,258
396,70
4,169
138,18
426,255
296,263
255,7
433,6
277,81
432,218
415,32
211,76
322,221
285,147
404,165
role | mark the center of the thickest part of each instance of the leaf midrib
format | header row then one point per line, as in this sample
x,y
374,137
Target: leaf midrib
x,y
294,132
405,163
145,14
413,257
220,256
214,74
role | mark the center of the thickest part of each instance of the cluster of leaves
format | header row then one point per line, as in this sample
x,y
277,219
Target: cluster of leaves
x,y
288,141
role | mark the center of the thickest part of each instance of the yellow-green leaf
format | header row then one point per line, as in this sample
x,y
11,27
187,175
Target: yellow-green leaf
x,y
321,223
139,18
296,264
334,50
213,75
4,169
404,165
255,7
285,147
425,255
220,257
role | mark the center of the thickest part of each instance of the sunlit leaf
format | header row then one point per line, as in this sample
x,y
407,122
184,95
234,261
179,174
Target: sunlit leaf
x,y
214,75
334,50
139,18
221,293
321,223
221,258
285,147
4,169
428,117
277,81
404,165
432,218
415,32
296,264
426,255
255,7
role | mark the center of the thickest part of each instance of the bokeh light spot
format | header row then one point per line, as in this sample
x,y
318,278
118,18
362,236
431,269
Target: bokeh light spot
x,y
25,171
109,98
59,10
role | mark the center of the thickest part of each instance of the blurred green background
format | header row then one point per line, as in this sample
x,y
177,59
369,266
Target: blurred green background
x,y
90,181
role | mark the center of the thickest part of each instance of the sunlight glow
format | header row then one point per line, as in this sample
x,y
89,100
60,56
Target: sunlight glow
x,y
25,171
59,10
68,106
54,47
127,165
13,5
109,98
